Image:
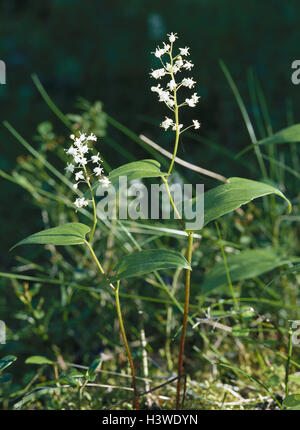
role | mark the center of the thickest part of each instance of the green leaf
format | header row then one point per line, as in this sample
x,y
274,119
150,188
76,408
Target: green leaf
x,y
143,262
38,359
245,265
6,361
237,192
72,233
137,169
292,402
286,135
94,365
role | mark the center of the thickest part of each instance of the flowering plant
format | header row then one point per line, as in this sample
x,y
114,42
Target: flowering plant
x,y
86,167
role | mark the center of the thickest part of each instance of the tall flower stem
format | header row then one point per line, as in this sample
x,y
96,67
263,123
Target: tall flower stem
x,y
136,404
185,320
121,323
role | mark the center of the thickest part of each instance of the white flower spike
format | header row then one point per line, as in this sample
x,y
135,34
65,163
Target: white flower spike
x,y
169,94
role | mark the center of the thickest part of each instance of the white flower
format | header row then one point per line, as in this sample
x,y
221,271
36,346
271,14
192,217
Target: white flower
x,y
179,127
167,123
168,67
96,158
188,65
156,89
193,100
188,82
92,137
80,202
72,136
172,37
179,63
158,73
98,171
105,182
75,186
70,168
83,149
172,85
72,151
184,51
196,124
79,175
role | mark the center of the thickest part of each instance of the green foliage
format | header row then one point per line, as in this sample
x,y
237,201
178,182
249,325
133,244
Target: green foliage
x,y
66,234
140,263
137,169
228,197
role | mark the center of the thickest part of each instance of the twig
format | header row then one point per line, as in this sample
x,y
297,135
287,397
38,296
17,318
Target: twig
x,y
182,162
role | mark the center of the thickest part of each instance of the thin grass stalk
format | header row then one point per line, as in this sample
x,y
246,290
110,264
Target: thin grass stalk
x,y
185,321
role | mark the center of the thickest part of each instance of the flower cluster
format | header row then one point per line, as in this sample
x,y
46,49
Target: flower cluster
x,y
173,65
79,150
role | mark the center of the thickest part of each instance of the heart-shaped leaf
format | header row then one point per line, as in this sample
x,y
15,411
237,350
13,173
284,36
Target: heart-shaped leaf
x,y
72,233
245,265
237,192
143,262
137,169
6,361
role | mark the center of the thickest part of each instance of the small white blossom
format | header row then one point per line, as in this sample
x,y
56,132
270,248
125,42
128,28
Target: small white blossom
x,y
172,37
70,168
196,124
172,85
184,51
193,100
75,186
98,171
92,137
158,73
179,127
96,158
72,151
105,182
188,65
188,82
83,149
79,175
168,122
179,63
81,202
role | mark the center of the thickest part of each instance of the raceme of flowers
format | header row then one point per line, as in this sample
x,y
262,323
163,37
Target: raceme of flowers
x,y
173,65
80,150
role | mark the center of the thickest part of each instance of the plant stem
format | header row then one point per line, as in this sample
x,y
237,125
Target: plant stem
x,y
94,205
136,404
287,368
165,181
185,320
122,328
